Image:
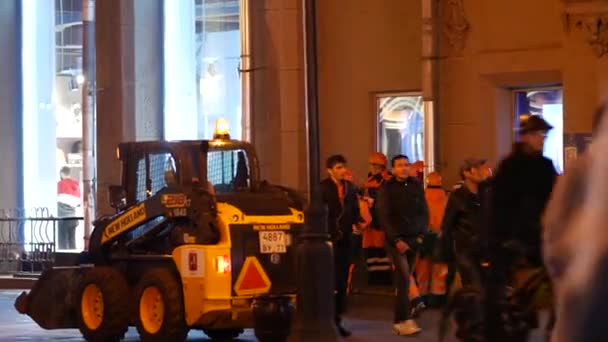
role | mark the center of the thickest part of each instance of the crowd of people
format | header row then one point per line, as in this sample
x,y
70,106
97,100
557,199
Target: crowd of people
x,y
426,241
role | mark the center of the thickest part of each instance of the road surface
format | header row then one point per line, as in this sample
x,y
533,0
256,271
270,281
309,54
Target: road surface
x,y
369,319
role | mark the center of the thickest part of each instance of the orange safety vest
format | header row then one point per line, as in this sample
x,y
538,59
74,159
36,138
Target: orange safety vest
x,y
431,277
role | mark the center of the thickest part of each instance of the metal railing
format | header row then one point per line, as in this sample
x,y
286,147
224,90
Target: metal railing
x,y
28,240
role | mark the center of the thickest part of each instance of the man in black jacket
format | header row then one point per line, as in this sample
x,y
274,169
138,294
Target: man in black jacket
x,y
462,222
404,216
521,189
340,196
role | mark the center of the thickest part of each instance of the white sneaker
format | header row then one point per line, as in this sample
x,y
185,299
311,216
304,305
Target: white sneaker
x,y
406,328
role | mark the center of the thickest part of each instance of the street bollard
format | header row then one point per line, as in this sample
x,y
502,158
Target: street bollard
x,y
315,268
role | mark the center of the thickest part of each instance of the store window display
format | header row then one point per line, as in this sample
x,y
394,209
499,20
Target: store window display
x,y
201,57
52,111
401,125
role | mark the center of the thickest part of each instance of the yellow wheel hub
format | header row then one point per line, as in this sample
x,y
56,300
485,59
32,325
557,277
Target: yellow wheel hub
x,y
91,306
151,309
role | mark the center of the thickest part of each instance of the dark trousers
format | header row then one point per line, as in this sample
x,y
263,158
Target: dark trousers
x,y
66,229
467,266
342,260
401,277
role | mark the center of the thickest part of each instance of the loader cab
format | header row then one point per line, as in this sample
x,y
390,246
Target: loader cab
x,y
220,166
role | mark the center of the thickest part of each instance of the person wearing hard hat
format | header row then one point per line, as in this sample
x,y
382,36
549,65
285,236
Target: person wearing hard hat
x,y
379,266
431,276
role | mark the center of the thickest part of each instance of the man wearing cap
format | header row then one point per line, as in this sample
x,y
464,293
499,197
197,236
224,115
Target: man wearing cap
x,y
521,189
462,222
520,192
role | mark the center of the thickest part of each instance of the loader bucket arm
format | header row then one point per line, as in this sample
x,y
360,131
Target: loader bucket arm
x,y
52,301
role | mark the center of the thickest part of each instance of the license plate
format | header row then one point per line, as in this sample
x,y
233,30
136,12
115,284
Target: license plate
x,y
273,242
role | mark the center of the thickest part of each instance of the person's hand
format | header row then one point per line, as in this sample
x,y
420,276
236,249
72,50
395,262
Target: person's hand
x,y
402,247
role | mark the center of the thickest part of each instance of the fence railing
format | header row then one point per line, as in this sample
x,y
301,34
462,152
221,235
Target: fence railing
x,y
28,239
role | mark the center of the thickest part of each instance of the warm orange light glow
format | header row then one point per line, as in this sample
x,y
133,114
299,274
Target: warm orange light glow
x,y
224,265
222,129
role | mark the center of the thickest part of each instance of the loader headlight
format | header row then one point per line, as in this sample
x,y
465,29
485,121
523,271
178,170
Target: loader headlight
x,y
235,218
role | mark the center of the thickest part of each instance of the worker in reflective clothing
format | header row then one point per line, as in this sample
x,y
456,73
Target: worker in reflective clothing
x,y
430,275
379,266
340,196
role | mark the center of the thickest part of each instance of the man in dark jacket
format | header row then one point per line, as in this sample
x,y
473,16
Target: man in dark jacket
x,y
462,222
404,216
521,189
340,196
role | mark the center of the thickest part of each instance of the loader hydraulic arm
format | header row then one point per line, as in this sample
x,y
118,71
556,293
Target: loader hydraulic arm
x,y
167,203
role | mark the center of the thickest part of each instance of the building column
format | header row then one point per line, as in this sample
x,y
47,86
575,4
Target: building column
x,y
129,82
278,92
10,105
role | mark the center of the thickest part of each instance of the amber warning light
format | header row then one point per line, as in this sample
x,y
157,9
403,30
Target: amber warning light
x,y
222,129
224,266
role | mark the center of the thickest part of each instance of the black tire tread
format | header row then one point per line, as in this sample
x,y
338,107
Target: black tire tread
x,y
223,334
115,291
174,326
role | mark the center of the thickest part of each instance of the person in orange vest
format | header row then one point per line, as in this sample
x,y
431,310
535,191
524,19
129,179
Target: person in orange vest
x,y
379,266
430,276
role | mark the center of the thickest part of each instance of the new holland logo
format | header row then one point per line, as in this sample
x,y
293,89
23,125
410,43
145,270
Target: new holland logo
x,y
127,220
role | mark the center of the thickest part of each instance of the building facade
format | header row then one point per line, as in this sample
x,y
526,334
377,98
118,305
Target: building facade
x,y
167,69
495,61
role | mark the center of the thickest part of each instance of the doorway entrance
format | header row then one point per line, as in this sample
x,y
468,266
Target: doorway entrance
x,y
549,104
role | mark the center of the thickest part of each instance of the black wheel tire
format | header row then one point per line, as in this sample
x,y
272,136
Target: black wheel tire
x,y
115,293
223,334
270,337
173,327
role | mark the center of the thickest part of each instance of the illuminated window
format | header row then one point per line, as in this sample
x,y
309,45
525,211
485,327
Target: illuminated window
x,y
202,56
548,103
52,112
400,125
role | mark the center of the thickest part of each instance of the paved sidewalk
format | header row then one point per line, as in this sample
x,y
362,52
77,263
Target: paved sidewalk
x,y
369,319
